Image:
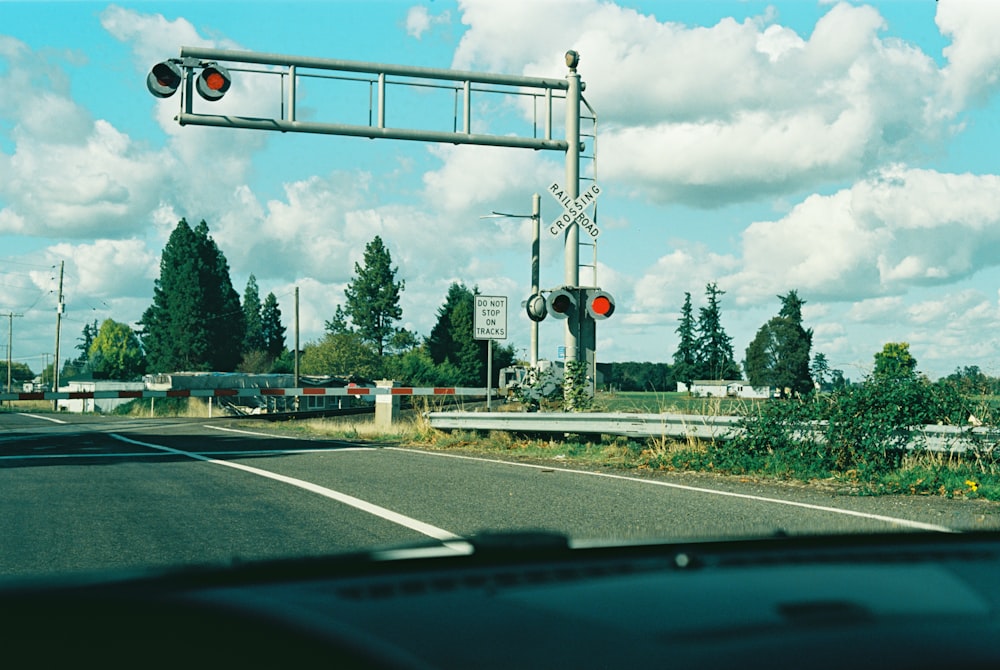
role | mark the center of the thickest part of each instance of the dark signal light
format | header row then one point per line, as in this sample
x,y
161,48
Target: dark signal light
x,y
536,308
164,79
561,302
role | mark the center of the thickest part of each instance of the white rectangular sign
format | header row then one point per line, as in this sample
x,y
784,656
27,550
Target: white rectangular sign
x,y
490,317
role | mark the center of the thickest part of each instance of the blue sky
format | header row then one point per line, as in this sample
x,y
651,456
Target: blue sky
x,y
842,150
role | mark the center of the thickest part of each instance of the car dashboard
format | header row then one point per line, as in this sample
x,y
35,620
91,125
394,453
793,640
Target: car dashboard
x,y
538,600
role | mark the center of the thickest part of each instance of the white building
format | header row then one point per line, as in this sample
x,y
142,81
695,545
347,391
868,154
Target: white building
x,y
722,388
78,405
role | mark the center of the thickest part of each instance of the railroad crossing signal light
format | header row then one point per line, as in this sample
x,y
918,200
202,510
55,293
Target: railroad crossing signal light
x,y
561,302
535,307
164,79
600,304
213,82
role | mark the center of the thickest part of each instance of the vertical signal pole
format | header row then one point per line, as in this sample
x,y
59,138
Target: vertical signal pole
x,y
296,337
572,239
59,311
536,224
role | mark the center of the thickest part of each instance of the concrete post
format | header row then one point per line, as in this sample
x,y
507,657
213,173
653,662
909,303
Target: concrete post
x,y
386,406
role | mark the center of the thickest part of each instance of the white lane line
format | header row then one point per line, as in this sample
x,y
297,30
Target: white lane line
x,y
42,417
357,503
251,432
907,523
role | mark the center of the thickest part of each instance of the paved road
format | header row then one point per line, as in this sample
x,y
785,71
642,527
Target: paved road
x,y
92,492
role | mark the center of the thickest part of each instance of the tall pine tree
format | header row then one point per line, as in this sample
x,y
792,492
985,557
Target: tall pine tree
x,y
715,347
253,339
272,332
373,296
686,356
195,321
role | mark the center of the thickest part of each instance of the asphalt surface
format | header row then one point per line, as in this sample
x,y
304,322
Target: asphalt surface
x,y
96,493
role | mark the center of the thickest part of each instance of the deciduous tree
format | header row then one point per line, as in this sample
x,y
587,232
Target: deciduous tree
x,y
116,353
341,354
778,356
895,362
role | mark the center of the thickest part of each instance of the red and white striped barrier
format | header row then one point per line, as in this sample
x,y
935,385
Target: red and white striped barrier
x,y
243,393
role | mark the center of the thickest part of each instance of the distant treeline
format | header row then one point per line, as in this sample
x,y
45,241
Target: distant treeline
x,y
638,376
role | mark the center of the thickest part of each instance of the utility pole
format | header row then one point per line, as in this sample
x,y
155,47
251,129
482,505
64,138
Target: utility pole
x,y
296,384
10,343
55,363
536,217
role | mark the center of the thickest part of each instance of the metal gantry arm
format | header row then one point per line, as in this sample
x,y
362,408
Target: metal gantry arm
x,y
381,71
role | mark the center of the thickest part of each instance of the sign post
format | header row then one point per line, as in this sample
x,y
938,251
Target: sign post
x,y
489,323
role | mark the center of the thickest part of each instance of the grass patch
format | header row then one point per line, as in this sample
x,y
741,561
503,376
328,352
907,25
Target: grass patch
x,y
942,475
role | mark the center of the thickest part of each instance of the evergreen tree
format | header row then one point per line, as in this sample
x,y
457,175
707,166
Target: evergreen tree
x,y
253,339
686,356
460,358
195,321
779,354
272,332
715,347
338,324
441,344
90,331
116,353
373,296
820,369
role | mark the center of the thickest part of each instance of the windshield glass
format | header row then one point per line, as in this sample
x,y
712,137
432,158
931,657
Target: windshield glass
x,y
296,279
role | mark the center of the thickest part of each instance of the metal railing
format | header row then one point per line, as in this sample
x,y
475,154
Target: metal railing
x,y
945,439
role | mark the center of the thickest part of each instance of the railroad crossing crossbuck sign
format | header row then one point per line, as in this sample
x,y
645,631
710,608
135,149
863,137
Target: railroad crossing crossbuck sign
x,y
574,211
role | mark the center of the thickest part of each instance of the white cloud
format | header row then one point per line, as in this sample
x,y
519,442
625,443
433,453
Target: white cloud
x,y
900,229
971,75
86,180
419,21
770,112
98,268
660,289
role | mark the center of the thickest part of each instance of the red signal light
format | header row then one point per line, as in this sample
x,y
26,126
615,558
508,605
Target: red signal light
x,y
600,304
213,82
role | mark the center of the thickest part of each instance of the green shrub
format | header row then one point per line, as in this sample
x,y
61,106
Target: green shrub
x,y
778,437
870,424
